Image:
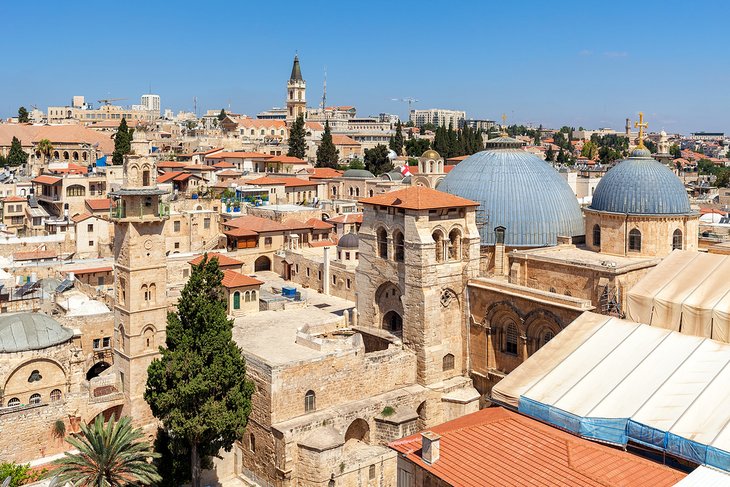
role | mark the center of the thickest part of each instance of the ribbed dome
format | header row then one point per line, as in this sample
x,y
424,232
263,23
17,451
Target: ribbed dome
x,y
349,241
358,173
520,192
643,186
30,331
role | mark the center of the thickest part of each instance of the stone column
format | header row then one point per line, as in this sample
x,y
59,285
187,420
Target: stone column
x,y
326,271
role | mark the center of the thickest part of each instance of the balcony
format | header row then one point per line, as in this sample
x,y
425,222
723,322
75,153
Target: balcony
x,y
120,212
49,197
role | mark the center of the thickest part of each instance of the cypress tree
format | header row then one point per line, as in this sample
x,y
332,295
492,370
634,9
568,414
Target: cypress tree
x,y
550,154
23,115
376,160
396,142
453,142
122,143
198,387
221,115
297,144
16,156
327,153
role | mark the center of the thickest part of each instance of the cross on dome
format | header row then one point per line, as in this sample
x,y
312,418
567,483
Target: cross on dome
x,y
641,125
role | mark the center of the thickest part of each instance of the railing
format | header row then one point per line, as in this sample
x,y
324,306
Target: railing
x,y
49,197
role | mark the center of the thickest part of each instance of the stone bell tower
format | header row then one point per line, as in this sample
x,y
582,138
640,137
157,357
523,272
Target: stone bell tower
x,y
296,99
140,312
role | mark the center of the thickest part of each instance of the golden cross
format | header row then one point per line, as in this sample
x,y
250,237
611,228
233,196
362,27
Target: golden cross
x,y
504,118
641,125
504,125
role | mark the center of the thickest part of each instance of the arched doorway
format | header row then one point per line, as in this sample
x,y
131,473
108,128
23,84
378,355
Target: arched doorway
x,y
263,263
393,322
358,432
96,370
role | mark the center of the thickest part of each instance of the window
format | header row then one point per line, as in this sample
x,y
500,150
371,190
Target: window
x,y
499,235
75,190
267,241
56,395
510,341
309,402
399,243
13,402
35,399
176,226
547,335
17,220
677,240
635,240
371,472
106,342
348,284
455,245
596,236
206,223
91,243
237,300
177,245
100,281
90,227
382,243
35,376
252,443
334,280
96,343
307,271
438,239
448,362
186,272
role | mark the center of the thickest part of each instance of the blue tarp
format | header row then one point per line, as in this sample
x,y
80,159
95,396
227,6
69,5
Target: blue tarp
x,y
101,162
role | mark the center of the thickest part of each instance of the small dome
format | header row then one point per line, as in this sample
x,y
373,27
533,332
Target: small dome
x,y
349,241
431,154
394,175
643,186
358,173
30,331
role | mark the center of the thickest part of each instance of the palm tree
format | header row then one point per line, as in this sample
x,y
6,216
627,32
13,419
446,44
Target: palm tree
x,y
109,455
45,148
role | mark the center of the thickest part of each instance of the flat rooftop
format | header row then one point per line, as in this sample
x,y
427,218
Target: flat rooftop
x,y
579,255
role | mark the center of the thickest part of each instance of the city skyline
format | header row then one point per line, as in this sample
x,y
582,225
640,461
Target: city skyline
x,y
523,64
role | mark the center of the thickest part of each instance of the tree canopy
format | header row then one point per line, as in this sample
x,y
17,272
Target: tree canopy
x,y
122,143
416,147
376,160
327,153
297,142
396,141
23,116
16,155
198,387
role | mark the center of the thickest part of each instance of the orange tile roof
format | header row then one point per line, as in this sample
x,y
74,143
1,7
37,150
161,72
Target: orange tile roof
x,y
99,204
286,181
240,155
168,176
287,160
229,172
223,260
256,224
457,158
347,218
71,169
183,177
59,135
418,198
240,232
318,224
81,217
323,243
339,139
314,125
46,179
324,173
35,255
199,167
232,279
91,270
171,164
498,447
223,165
260,123
14,199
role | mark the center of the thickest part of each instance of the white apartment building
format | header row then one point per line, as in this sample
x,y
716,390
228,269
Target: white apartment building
x,y
151,103
438,117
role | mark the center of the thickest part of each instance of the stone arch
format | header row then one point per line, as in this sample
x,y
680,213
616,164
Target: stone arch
x,y
393,322
75,155
454,243
597,235
56,155
447,362
357,432
538,323
52,373
440,247
399,245
65,155
388,300
148,336
634,240
422,412
96,369
677,240
381,237
263,263
133,173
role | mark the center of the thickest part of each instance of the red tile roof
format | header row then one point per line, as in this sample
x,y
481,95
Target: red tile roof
x,y
457,158
339,139
35,255
199,167
99,204
240,232
223,165
324,173
287,160
498,447
418,198
323,243
232,279
81,217
70,169
318,224
171,164
14,199
240,155
46,179
288,182
260,123
314,125
229,172
347,218
223,260
168,176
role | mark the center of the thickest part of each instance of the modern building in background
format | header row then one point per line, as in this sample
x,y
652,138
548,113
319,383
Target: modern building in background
x,y
81,111
151,103
438,117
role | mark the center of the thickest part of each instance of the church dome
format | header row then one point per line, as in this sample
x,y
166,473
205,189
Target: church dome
x,y
348,241
643,186
431,154
30,331
358,173
518,191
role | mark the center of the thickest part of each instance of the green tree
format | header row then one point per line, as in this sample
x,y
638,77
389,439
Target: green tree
x,y
705,166
327,153
590,150
416,147
538,134
650,145
45,147
16,155
221,115
376,160
396,142
173,464
675,151
561,159
23,115
428,126
723,177
111,454
19,474
198,387
297,144
356,164
550,154
122,143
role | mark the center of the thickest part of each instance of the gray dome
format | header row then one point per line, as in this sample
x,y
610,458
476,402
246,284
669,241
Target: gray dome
x,y
349,241
358,173
520,192
641,185
394,175
30,331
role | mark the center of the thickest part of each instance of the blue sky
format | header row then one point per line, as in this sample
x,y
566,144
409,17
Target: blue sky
x,y
578,63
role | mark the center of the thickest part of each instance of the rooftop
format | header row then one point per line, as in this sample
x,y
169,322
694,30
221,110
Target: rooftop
x,y
418,198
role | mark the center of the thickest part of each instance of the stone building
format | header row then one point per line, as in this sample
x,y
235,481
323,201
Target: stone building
x,y
296,100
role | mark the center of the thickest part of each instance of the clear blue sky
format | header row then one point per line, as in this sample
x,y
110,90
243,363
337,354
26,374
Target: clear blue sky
x,y
578,63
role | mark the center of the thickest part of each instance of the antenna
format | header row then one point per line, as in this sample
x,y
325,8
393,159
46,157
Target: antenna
x,y
324,90
195,105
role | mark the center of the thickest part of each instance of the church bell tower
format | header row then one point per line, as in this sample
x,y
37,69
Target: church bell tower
x,y
140,313
296,100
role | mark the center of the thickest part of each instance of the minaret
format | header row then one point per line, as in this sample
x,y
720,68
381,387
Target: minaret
x,y
296,101
140,313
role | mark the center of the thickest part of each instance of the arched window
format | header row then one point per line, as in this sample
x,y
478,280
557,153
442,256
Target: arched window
x,y
596,236
352,191
153,293
309,402
510,339
246,297
35,376
76,190
677,240
12,402
56,395
253,296
65,155
635,240
448,362
35,399
145,178
545,337
455,245
357,191
399,244
382,243
252,443
438,238
237,300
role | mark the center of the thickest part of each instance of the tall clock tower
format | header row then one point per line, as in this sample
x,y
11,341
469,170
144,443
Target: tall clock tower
x,y
140,313
296,97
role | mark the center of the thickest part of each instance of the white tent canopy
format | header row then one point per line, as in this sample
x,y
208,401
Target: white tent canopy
x,y
687,292
617,381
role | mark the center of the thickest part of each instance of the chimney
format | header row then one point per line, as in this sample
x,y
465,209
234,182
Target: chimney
x,y
430,447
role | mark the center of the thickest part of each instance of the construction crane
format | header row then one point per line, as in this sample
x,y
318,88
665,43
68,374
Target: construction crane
x,y
408,100
108,101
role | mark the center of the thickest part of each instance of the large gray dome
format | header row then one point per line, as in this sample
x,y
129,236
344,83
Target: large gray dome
x,y
358,173
30,331
518,191
349,241
641,185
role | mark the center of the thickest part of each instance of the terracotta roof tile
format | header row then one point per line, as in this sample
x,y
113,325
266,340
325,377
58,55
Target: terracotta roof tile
x,y
323,243
14,199
35,255
99,204
223,260
347,218
169,176
339,139
288,182
324,173
229,172
57,134
260,123
171,164
240,232
287,160
46,179
498,447
223,165
81,217
240,155
418,198
318,224
233,279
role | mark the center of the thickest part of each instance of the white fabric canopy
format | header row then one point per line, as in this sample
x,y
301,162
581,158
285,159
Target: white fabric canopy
x,y
687,292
